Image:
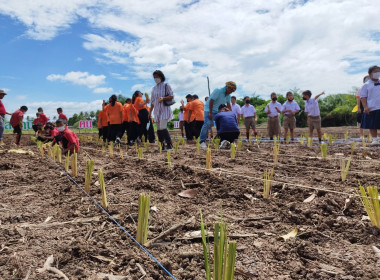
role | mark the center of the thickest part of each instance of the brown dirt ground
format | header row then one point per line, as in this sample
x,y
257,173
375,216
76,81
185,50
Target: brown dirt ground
x,y
330,244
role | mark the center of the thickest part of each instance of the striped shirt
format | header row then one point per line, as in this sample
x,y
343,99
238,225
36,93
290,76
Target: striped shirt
x,y
160,111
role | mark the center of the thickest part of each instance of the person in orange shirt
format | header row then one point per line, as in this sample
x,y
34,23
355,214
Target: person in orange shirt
x,y
140,106
133,123
115,118
125,126
186,109
196,116
103,121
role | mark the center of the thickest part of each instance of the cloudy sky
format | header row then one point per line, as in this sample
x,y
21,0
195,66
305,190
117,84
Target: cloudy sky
x,y
74,53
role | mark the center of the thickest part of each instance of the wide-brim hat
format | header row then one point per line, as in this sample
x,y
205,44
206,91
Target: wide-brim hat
x,y
3,92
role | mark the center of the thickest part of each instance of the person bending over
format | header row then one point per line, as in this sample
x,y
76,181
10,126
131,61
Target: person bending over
x,y
68,139
226,126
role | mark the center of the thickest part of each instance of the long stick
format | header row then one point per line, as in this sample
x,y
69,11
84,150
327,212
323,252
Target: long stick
x,y
208,85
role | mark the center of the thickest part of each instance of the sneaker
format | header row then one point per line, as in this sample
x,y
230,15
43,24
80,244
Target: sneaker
x,y
138,140
225,145
375,142
169,147
203,145
118,141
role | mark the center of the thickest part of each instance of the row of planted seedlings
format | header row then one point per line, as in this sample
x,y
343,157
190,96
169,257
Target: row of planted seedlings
x,y
224,253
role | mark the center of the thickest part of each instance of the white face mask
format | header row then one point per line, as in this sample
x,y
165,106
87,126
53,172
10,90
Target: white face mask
x,y
376,75
157,80
61,128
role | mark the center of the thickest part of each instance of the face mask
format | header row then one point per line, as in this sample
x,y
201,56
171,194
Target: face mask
x,y
290,100
274,98
61,128
376,75
157,80
247,102
304,98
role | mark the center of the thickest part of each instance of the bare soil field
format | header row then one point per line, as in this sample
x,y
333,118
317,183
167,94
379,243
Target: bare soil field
x,y
43,213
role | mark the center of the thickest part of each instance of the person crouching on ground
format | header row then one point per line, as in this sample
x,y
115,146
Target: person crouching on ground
x,y
273,110
17,124
313,113
37,121
290,108
50,133
68,139
370,98
218,97
248,112
226,126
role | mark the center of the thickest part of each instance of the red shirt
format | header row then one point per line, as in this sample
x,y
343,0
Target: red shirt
x,y
71,138
43,119
37,120
54,132
15,119
62,116
2,108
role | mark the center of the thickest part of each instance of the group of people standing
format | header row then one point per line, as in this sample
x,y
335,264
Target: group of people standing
x,y
135,117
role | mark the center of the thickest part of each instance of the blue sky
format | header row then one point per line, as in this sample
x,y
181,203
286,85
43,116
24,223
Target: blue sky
x,y
74,53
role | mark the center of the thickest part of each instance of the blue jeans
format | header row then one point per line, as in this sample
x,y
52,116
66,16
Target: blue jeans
x,y
2,124
207,125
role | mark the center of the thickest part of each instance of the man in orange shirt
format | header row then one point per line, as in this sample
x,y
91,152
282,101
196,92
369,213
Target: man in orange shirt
x,y
196,116
115,118
186,109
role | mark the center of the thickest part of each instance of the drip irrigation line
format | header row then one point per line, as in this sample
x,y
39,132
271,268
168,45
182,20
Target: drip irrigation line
x,y
250,177
113,219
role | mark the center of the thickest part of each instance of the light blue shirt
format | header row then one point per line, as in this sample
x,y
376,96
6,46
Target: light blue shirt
x,y
219,96
312,107
372,93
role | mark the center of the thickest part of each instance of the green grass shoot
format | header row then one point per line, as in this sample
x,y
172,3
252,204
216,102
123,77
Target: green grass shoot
x,y
146,146
268,177
67,162
103,189
324,150
208,159
74,164
239,144
370,200
88,175
143,218
140,153
344,167
216,142
110,148
176,146
233,151
287,139
258,138
58,153
310,142
346,135
352,146
169,159
276,151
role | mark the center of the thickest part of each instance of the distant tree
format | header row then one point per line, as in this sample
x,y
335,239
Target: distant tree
x,y
121,98
92,115
73,119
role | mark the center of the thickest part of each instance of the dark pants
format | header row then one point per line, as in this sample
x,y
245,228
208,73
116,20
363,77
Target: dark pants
x,y
151,136
63,140
35,127
132,131
196,128
124,129
143,116
188,131
105,133
100,132
229,136
114,130
18,131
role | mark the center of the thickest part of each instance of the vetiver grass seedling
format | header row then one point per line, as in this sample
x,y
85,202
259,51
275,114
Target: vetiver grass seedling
x,y
74,164
121,152
58,153
143,218
103,189
239,144
110,148
310,142
208,159
67,162
370,200
169,159
344,167
146,146
224,252
268,177
276,151
258,138
88,175
324,150
346,136
233,150
176,145
216,142
140,153
352,146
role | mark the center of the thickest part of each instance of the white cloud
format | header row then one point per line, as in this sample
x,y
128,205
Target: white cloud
x,y
103,90
264,46
79,78
21,97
